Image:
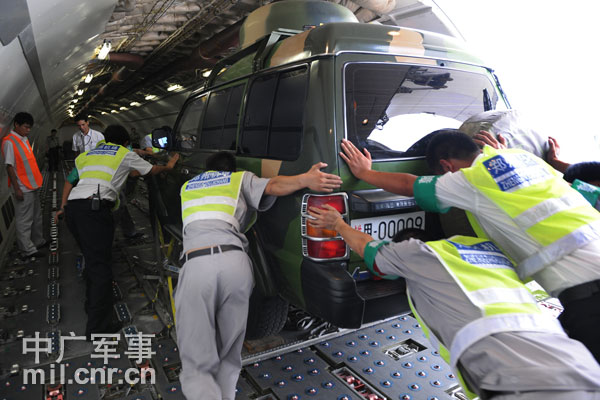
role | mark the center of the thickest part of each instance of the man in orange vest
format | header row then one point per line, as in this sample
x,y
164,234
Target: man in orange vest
x,y
25,179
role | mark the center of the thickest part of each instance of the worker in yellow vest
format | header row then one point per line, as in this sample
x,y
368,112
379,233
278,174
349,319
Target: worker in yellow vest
x,y
25,179
215,283
89,195
520,202
146,144
478,314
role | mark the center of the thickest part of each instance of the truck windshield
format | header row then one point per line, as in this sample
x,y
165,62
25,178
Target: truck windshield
x,y
391,108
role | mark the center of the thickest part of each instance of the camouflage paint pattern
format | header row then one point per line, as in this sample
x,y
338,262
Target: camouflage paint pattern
x,y
291,14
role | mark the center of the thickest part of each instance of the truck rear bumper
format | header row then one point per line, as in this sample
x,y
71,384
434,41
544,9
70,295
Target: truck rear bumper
x,y
332,294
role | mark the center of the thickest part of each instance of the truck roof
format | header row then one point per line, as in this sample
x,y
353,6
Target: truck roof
x,y
403,44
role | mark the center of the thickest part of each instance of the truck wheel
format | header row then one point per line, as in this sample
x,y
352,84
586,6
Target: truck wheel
x,y
266,316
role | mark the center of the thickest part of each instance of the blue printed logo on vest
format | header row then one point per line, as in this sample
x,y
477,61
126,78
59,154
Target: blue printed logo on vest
x,y
104,150
485,254
209,179
515,171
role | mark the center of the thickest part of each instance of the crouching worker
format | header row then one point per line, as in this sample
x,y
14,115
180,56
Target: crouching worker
x,y
88,197
482,319
216,280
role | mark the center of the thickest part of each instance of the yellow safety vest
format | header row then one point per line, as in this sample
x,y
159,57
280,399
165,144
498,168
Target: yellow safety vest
x,y
98,166
487,277
211,195
538,201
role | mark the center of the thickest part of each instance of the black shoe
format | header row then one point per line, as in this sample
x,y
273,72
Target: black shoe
x,y
37,254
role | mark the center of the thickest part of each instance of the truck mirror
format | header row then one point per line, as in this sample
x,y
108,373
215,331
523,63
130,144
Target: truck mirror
x,y
162,138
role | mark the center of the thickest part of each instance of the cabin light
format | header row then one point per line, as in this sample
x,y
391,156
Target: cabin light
x,y
174,87
75,100
114,111
103,113
80,92
123,108
135,104
206,73
89,78
106,46
150,97
393,33
365,121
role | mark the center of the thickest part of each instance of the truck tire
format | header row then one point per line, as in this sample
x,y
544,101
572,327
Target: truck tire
x,y
266,316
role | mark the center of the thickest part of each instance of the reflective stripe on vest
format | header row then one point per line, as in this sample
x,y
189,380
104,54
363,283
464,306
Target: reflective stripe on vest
x,y
488,280
26,167
98,166
211,195
539,202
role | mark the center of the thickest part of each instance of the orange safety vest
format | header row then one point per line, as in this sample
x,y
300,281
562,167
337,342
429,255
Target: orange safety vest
x,y
26,169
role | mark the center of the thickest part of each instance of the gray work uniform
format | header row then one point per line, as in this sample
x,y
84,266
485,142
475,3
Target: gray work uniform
x,y
28,212
212,299
527,365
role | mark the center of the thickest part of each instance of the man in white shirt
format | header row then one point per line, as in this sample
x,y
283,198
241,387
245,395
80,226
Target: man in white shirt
x,y
86,139
25,179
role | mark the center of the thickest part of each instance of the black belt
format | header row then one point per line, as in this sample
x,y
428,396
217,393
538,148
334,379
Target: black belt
x,y
209,250
103,203
579,292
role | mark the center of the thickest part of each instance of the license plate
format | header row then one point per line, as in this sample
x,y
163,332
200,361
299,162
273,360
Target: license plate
x,y
385,227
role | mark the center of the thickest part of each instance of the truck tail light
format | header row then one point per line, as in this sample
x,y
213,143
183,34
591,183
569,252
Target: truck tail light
x,y
323,244
326,249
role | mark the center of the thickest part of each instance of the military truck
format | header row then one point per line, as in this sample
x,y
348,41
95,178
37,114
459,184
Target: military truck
x,y
308,75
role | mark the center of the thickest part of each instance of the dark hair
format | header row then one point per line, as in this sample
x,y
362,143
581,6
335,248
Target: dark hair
x,y
221,161
412,233
584,171
23,118
53,130
449,143
116,134
81,116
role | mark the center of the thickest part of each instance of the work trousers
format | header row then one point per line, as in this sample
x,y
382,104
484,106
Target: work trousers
x,y
53,158
580,319
123,217
94,231
211,303
28,221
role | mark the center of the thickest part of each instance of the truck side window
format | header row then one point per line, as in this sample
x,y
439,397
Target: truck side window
x,y
274,114
221,119
187,129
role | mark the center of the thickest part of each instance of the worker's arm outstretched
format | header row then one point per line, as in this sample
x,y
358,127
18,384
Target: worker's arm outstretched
x,y
329,218
157,169
360,165
313,179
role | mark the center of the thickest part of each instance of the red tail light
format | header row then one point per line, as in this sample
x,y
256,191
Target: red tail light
x,y
323,244
326,249
335,201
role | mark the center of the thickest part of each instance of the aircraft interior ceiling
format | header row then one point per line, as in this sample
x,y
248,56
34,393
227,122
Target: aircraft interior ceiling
x,y
50,47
